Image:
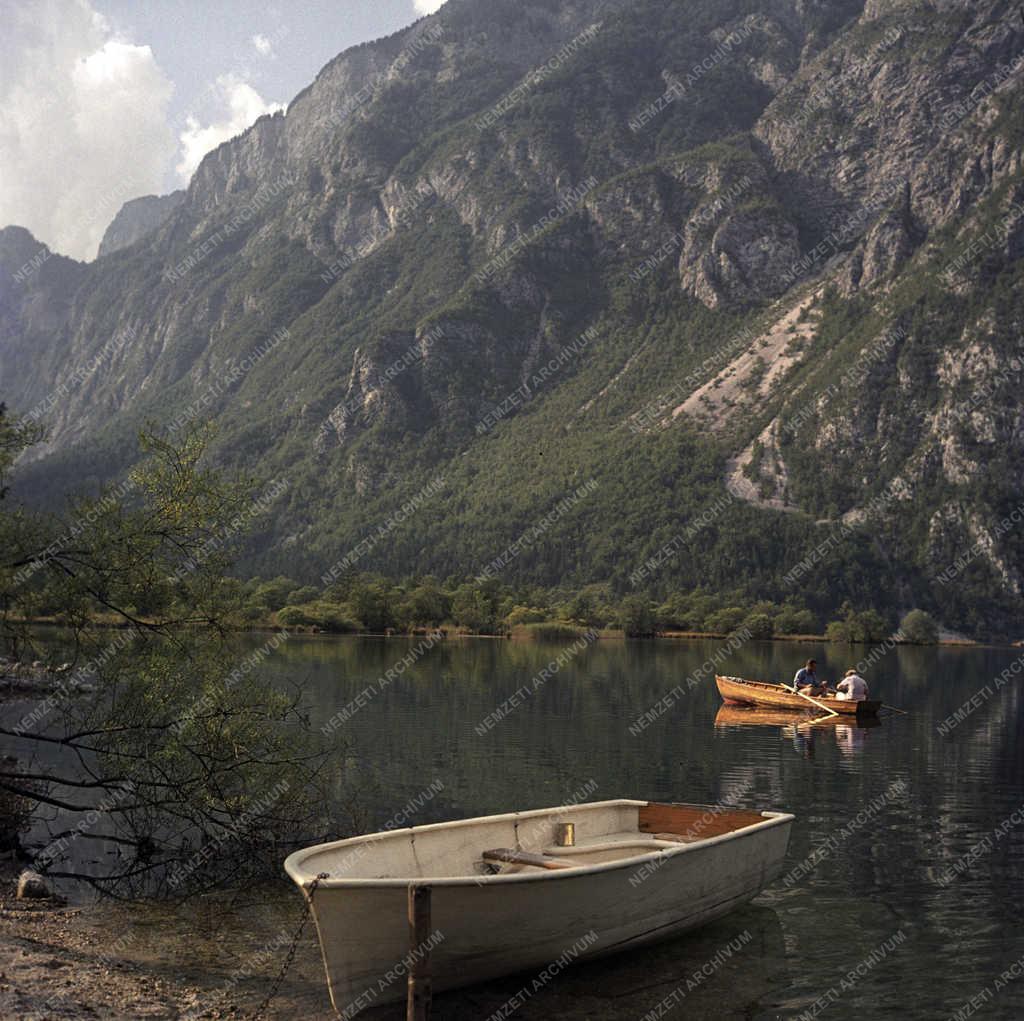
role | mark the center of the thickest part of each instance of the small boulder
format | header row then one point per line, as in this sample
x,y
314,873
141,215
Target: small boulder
x,y
32,885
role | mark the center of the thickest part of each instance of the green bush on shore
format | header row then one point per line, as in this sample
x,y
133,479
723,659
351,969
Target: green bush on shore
x,y
549,631
320,615
858,626
371,602
919,628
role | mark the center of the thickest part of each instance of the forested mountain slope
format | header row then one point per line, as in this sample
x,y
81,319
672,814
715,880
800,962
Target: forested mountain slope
x,y
580,271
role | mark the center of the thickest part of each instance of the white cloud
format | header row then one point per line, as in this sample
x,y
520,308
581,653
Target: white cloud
x,y
244,105
263,45
83,123
427,6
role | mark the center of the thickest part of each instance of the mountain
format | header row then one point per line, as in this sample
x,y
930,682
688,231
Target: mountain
x,y
535,289
137,218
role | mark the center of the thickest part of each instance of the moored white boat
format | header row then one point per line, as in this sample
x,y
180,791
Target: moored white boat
x,y
505,897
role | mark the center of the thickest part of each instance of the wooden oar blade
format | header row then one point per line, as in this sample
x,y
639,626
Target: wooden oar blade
x,y
793,688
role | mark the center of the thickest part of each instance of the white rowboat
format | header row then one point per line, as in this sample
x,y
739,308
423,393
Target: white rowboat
x,y
504,896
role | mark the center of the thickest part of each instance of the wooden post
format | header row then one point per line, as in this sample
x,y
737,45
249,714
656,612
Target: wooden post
x,y
417,1005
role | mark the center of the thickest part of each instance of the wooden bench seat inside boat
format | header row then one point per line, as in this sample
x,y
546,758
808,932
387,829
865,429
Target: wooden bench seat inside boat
x,y
588,852
658,827
629,842
512,856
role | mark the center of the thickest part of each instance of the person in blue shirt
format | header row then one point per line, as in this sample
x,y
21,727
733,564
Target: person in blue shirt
x,y
806,680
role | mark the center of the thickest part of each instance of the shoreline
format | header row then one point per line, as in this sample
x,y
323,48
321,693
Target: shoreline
x,y
611,634
518,635
33,680
65,961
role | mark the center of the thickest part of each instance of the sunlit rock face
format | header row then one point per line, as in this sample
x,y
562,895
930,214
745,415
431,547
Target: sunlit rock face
x,y
137,219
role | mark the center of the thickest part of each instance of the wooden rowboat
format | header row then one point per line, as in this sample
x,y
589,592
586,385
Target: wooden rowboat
x,y
455,903
737,691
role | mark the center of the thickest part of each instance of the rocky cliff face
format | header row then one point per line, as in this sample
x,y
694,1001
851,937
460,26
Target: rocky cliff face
x,y
138,218
791,224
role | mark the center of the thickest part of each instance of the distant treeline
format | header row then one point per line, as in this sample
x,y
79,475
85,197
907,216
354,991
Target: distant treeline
x,y
373,603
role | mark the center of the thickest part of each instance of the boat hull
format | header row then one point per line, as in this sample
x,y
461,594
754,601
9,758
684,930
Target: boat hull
x,y
737,691
497,925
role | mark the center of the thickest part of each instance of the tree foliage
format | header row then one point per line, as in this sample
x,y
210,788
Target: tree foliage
x,y
919,628
156,741
858,626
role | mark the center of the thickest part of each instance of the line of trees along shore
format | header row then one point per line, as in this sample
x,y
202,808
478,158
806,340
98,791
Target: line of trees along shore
x,y
364,602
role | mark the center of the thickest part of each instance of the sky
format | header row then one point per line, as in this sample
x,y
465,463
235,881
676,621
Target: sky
x,y
102,101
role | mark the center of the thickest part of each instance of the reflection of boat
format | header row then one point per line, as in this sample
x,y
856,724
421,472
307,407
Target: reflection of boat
x,y
753,716
850,740
647,981
773,696
636,872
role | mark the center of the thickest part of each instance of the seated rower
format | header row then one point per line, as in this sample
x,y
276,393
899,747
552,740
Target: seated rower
x,y
852,688
806,680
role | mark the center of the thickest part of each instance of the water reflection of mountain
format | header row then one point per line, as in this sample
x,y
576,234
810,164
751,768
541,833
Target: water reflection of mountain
x,y
574,729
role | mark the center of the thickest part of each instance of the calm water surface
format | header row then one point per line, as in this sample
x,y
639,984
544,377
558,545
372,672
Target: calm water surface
x,y
905,859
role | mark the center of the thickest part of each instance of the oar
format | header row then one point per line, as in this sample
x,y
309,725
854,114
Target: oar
x,y
892,708
813,701
817,719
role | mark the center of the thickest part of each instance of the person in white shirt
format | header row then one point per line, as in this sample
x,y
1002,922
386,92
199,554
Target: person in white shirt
x,y
852,688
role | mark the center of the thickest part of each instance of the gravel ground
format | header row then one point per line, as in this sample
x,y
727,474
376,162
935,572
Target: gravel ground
x,y
125,962
122,962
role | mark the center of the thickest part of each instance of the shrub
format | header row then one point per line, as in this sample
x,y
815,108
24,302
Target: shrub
x,y
274,594
919,628
837,631
371,602
520,615
295,616
326,616
551,631
636,616
759,625
301,596
858,626
725,621
334,617
472,608
791,621
426,606
249,613
587,609
673,616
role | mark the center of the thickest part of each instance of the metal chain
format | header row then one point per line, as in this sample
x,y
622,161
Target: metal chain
x,y
307,910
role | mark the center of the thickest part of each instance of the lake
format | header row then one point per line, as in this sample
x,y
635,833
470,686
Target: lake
x,y
904,883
